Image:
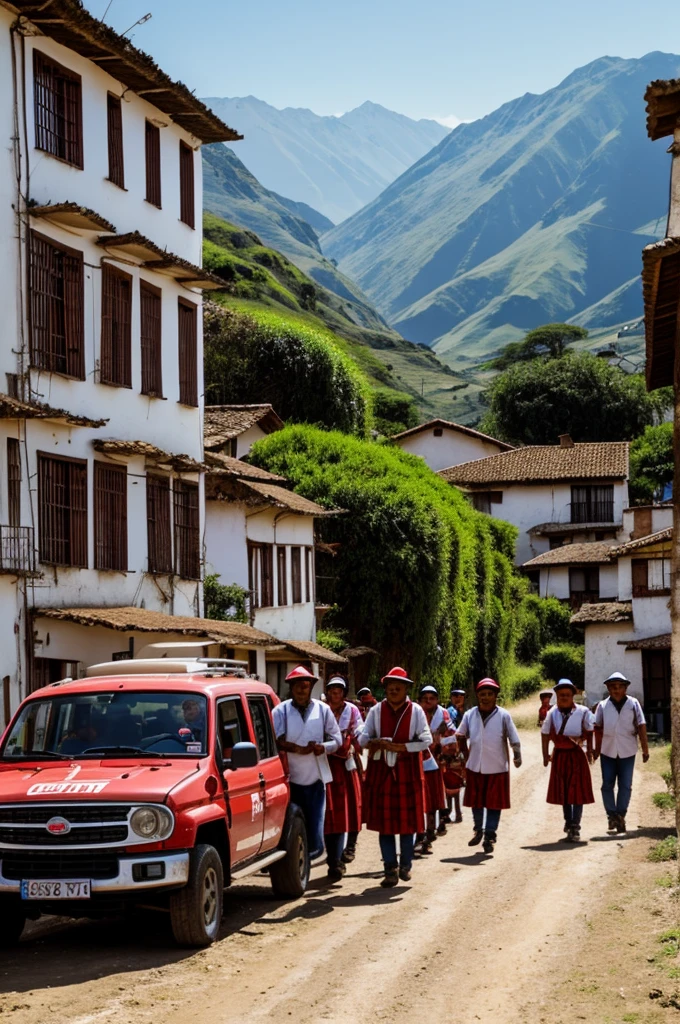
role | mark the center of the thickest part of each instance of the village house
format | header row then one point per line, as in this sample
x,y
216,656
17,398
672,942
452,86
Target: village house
x,y
442,443
234,429
553,494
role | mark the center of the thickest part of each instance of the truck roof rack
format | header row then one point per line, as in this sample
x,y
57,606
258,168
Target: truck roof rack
x,y
169,666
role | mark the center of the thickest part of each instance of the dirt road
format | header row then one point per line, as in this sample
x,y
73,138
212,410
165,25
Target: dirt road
x,y
470,938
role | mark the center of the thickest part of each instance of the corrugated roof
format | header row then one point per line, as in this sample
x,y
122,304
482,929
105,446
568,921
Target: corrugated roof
x,y
218,464
223,422
160,260
15,409
644,542
661,296
603,460
72,215
607,611
67,22
661,642
127,619
450,425
663,107
179,462
597,552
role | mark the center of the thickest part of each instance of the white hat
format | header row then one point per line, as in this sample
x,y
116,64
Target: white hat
x,y
617,677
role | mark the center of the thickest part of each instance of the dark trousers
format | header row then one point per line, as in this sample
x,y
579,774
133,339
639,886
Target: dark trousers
x,y
485,819
572,814
335,847
352,840
312,802
388,849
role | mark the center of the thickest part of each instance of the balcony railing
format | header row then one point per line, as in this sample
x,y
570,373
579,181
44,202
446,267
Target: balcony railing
x,y
17,550
592,512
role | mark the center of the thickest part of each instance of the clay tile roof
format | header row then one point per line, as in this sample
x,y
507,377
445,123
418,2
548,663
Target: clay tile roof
x,y
223,422
282,498
15,408
70,24
163,262
450,425
219,464
314,651
557,528
573,554
662,642
544,463
663,107
72,215
661,293
607,611
644,542
179,462
144,620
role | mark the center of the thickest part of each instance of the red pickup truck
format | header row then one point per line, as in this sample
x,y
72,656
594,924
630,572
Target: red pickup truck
x,y
155,783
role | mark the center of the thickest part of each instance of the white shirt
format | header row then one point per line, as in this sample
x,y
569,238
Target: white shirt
x,y
419,735
580,720
430,763
318,724
489,740
619,736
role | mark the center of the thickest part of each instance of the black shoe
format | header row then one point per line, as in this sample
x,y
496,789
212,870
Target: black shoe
x,y
441,828
612,823
489,842
349,855
335,873
405,874
620,825
477,837
446,818
391,878
574,834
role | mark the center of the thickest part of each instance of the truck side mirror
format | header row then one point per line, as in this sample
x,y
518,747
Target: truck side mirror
x,y
243,755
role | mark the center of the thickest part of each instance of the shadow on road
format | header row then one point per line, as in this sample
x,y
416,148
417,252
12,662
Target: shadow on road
x,y
643,832
556,847
472,860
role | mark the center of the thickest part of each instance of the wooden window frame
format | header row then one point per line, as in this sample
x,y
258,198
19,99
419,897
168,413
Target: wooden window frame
x,y
74,538
187,352
114,131
310,575
187,529
13,481
640,567
110,516
56,286
187,192
152,156
281,575
151,338
266,576
159,524
296,573
115,362
254,574
57,110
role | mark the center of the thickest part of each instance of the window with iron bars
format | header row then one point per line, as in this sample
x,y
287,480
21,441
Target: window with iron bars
x,y
110,517
58,110
152,147
114,116
62,510
55,276
188,353
116,339
187,530
187,202
150,340
159,534
13,482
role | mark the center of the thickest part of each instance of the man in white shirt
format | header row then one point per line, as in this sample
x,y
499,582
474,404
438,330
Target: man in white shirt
x,y
307,731
619,720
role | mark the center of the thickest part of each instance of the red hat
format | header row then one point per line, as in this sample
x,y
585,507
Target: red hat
x,y
398,674
491,683
300,673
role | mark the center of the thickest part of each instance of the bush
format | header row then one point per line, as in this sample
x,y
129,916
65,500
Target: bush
x,y
519,682
222,601
560,661
332,639
651,464
394,411
542,621
664,801
665,849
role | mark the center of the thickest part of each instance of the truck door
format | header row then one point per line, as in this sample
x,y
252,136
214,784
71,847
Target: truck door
x,y
272,776
242,787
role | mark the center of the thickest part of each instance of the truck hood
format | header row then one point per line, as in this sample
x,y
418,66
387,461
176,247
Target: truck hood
x,y
106,779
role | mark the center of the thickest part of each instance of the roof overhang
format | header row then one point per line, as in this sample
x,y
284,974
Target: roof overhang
x,y
557,529
152,257
180,463
661,642
663,107
72,216
661,293
16,409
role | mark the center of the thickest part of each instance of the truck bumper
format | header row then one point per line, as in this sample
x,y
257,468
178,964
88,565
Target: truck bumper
x,y
132,874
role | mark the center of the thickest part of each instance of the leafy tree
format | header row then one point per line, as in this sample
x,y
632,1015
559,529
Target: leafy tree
x,y
651,463
550,340
222,601
578,394
394,411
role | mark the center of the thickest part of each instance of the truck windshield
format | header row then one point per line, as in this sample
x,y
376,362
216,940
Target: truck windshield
x,y
117,724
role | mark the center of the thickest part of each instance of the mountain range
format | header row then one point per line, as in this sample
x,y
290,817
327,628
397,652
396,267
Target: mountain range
x,y
536,213
333,164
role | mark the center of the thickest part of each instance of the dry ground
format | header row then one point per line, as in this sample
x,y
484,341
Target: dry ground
x,y
541,932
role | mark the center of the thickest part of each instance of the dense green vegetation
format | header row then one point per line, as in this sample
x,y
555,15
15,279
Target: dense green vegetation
x,y
651,463
542,621
560,661
225,601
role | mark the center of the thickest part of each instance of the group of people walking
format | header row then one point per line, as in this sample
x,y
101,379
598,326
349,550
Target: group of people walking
x,y
420,755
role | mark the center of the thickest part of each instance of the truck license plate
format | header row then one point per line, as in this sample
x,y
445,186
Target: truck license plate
x,y
53,889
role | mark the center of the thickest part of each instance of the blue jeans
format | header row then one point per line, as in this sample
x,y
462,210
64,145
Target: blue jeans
x,y
617,769
335,847
572,814
491,822
388,850
312,802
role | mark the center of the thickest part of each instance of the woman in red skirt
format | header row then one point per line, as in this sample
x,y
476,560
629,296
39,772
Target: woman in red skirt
x,y
435,792
343,794
568,725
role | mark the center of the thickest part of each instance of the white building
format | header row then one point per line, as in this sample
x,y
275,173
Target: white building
x,y
442,443
234,429
553,494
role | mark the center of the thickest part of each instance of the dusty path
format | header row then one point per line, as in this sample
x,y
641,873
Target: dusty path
x,y
492,929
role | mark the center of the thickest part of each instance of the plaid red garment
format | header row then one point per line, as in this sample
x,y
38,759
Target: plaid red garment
x,y
343,799
394,796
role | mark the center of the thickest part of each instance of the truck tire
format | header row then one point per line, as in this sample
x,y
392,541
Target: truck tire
x,y
290,875
13,917
196,910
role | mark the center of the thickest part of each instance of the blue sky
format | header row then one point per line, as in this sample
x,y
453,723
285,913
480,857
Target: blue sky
x,y
428,58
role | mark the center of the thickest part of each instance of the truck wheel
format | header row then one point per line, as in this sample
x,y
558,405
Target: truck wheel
x,y
13,919
290,874
196,910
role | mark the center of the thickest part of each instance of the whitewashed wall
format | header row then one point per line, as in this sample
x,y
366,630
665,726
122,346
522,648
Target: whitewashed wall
x,y
604,655
451,449
246,440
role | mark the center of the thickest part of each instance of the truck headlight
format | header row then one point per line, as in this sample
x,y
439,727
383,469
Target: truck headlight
x,y
151,823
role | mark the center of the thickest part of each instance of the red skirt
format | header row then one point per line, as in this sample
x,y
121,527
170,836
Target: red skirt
x,y
490,791
435,794
570,781
394,796
343,799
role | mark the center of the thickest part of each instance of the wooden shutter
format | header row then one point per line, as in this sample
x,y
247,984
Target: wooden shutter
x,y
152,145
267,575
639,577
187,530
281,581
58,110
253,582
309,575
62,510
296,573
114,116
150,339
13,482
110,516
187,202
57,327
159,537
116,339
188,353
